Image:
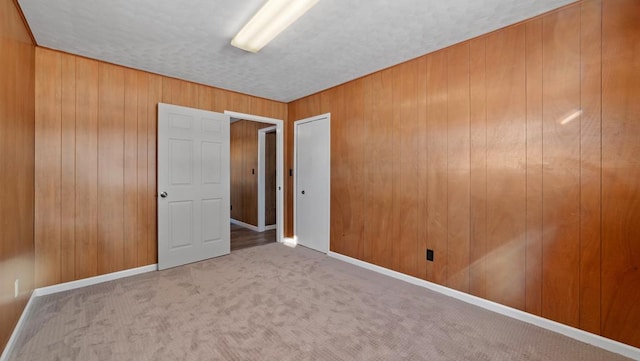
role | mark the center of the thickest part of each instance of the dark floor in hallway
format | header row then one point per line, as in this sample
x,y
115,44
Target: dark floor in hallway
x,y
244,238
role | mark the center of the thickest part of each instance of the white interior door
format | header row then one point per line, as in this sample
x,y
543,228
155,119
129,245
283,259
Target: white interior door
x,y
193,185
312,182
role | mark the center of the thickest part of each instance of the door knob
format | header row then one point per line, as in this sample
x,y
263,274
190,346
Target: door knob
x,y
302,192
163,194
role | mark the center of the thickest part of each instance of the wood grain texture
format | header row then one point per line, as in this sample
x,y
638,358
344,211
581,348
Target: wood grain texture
x,y
536,207
142,187
561,169
292,115
620,171
405,168
534,167
111,92
506,173
67,168
130,178
47,171
422,168
270,185
379,168
205,98
458,167
334,99
154,97
236,154
350,171
478,168
550,209
17,98
250,174
437,192
96,150
86,183
590,165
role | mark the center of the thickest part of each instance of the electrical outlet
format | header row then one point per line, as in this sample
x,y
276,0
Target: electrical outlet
x,y
16,288
430,255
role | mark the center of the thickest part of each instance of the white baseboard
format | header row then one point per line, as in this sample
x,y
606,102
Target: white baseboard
x,y
577,334
93,280
245,225
43,291
270,227
14,334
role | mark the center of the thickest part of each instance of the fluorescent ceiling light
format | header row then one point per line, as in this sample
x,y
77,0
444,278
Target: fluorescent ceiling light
x,y
269,21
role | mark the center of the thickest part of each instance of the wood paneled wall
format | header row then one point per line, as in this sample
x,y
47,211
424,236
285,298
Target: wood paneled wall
x,y
17,68
270,178
95,161
244,170
514,156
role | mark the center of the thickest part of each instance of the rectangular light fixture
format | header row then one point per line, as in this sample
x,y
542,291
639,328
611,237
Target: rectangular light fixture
x,y
269,21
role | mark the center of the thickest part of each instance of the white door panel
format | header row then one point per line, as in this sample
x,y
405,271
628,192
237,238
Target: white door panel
x,y
193,173
312,183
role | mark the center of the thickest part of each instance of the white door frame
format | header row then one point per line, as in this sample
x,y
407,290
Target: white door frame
x,y
262,176
279,123
295,175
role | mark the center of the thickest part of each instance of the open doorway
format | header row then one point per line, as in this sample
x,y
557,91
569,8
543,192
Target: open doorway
x,y
256,194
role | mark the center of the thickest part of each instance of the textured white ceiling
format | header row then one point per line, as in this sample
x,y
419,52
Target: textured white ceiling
x,y
337,41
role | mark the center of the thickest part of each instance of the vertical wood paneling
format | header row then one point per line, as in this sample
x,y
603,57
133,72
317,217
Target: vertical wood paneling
x,y
153,98
17,98
250,173
506,174
183,93
130,201
270,185
405,168
478,170
47,168
458,167
590,165
96,154
220,100
67,169
561,170
620,171
142,187
205,98
540,235
378,166
548,209
534,167
351,193
423,170
334,99
110,168
236,155
86,222
437,159
238,102
292,115
167,90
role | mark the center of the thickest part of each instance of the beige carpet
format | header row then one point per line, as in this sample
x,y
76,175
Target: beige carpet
x,y
276,303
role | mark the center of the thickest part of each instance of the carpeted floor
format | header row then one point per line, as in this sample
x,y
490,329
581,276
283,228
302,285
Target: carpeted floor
x,y
277,303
